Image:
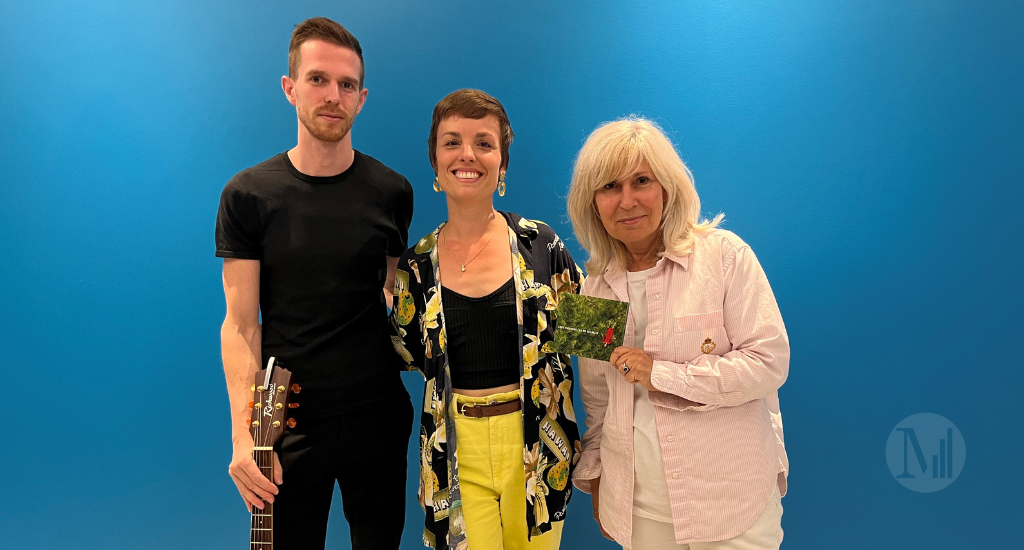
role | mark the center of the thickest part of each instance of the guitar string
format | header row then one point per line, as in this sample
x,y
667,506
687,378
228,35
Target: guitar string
x,y
284,412
268,457
263,435
256,518
259,522
257,455
261,430
254,524
264,431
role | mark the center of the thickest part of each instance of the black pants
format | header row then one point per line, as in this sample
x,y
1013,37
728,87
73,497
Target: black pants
x,y
365,452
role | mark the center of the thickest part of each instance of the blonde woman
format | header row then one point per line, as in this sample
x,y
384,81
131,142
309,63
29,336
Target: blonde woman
x,y
683,447
473,300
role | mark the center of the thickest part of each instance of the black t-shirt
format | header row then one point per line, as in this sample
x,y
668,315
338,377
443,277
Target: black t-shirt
x,y
321,243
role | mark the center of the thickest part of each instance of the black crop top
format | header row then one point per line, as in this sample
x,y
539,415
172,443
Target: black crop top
x,y
483,338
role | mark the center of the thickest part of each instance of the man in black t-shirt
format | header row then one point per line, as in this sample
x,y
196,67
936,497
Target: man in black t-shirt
x,y
310,239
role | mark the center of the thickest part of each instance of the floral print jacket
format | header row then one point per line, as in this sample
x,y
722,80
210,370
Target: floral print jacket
x,y
552,446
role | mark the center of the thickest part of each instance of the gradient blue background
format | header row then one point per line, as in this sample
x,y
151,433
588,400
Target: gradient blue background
x,y
870,152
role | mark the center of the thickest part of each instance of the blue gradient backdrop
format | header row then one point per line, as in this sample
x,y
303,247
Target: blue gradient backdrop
x,y
870,152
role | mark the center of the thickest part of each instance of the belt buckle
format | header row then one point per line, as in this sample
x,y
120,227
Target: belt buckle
x,y
462,409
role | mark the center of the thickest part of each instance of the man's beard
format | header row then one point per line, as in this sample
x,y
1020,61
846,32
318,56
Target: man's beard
x,y
323,130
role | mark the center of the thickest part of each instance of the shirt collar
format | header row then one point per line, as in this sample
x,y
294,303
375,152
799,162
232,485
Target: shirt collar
x,y
616,271
683,261
615,275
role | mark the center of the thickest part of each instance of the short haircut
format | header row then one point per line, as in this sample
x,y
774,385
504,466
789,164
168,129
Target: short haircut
x,y
322,28
613,152
473,104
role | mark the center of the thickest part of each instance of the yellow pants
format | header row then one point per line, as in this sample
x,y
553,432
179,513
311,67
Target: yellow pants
x,y
493,478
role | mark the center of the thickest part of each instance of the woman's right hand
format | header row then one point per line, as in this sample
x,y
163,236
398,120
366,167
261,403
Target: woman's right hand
x,y
595,488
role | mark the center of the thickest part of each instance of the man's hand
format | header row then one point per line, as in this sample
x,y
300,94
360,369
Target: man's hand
x,y
595,488
252,485
635,365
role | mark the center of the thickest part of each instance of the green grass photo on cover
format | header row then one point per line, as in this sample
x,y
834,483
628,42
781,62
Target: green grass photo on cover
x,y
583,325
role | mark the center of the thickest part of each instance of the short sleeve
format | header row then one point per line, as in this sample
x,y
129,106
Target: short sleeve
x,y
403,218
238,232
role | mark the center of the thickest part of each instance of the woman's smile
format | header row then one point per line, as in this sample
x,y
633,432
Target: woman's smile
x,y
467,176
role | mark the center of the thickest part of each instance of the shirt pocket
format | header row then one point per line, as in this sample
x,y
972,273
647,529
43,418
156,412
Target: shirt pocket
x,y
699,334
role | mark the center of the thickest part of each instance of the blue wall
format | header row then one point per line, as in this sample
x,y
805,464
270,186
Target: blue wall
x,y
870,152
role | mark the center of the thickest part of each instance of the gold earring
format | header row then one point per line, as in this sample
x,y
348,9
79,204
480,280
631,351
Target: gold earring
x,y
501,184
437,187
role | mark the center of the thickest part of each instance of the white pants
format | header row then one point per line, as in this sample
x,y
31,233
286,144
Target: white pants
x,y
764,534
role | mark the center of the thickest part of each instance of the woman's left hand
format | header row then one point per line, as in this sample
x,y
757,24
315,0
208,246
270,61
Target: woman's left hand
x,y
634,365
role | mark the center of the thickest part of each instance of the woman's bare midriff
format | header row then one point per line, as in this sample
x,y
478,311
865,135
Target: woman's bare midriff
x,y
486,392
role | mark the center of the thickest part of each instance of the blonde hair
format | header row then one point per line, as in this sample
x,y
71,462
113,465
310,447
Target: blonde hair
x,y
614,151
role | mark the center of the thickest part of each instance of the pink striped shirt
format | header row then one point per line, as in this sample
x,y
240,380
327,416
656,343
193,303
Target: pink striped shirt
x,y
716,336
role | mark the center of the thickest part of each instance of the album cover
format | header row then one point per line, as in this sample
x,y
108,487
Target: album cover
x,y
589,327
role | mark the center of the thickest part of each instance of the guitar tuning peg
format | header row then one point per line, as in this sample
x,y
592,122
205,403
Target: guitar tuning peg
x,y
250,404
291,422
248,422
296,388
293,405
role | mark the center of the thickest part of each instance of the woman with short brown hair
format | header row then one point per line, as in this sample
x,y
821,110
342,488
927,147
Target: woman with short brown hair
x,y
490,390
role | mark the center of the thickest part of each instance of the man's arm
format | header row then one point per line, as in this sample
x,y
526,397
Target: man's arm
x,y
240,340
389,283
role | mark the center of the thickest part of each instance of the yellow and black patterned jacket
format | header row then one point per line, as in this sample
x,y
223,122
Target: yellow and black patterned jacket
x,y
552,446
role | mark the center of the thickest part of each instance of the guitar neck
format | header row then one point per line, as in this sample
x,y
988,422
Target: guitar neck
x,y
261,531
270,391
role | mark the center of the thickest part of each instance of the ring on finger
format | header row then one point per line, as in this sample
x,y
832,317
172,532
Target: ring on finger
x,y
625,367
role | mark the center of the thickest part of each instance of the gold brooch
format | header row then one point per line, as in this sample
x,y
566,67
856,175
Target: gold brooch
x,y
708,346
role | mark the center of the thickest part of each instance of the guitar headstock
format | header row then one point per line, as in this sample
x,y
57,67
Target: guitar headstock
x,y
270,404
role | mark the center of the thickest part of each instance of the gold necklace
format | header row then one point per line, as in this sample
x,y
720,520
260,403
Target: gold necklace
x,y
463,265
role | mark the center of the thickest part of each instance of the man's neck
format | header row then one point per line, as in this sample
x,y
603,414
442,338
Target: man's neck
x,y
314,157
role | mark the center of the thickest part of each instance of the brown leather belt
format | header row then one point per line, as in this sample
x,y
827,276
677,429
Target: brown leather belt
x,y
483,411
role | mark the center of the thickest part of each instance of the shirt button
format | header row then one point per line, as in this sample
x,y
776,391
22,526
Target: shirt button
x,y
671,438
655,331
675,475
657,296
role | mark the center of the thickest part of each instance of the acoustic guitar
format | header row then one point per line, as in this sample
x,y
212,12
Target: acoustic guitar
x,y
269,406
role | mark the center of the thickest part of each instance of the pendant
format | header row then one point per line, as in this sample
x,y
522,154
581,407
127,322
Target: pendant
x,y
463,267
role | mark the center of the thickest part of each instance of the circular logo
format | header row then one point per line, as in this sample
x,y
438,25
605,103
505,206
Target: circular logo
x,y
925,452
